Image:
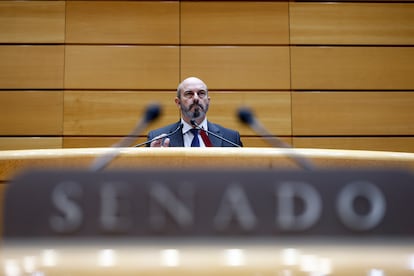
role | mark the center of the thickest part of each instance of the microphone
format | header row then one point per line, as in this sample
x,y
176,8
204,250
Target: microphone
x,y
194,124
163,136
152,112
246,116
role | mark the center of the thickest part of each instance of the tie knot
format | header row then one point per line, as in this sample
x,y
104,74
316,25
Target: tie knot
x,y
194,131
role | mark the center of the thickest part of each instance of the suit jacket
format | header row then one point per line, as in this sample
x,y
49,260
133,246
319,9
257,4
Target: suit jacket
x,y
176,140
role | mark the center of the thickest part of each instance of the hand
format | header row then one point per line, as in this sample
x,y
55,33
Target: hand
x,y
161,142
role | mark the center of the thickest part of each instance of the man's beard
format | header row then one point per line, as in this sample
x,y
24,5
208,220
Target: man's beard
x,y
199,110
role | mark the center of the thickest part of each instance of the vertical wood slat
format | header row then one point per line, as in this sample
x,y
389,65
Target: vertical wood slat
x,y
352,68
242,22
352,113
31,67
122,22
121,67
352,23
238,68
31,113
32,21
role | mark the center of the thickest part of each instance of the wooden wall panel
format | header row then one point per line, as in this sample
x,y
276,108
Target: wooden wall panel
x,y
118,56
124,22
32,21
336,68
93,142
244,68
113,113
272,109
258,142
121,67
20,143
234,22
28,67
352,23
31,113
352,113
400,144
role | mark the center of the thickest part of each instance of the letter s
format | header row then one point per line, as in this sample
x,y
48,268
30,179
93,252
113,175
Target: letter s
x,y
71,213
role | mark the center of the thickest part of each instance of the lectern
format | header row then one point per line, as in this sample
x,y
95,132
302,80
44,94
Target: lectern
x,y
217,217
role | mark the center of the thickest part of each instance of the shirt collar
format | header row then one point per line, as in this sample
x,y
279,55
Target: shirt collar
x,y
187,127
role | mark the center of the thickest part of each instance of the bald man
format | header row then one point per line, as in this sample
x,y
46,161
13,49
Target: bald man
x,y
193,101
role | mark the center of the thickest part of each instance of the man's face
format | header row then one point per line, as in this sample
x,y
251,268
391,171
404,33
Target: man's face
x,y
194,101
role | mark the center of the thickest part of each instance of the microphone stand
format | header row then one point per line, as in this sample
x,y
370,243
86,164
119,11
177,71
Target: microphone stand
x,y
246,116
163,136
152,112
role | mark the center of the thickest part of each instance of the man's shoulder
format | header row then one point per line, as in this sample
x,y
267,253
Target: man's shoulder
x,y
222,128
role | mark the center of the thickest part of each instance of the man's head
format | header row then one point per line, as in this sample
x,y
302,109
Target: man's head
x,y
192,99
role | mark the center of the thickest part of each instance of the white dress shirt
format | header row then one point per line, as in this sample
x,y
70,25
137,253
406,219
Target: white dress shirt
x,y
188,135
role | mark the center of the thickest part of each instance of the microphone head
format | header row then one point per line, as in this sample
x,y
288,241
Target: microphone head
x,y
152,112
193,123
246,115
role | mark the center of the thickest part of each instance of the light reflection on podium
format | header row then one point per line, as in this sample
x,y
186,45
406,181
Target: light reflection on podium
x,y
262,257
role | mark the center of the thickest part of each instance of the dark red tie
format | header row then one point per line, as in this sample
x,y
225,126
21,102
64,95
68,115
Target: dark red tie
x,y
205,138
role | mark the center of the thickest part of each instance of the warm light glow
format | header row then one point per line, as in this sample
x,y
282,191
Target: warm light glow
x,y
290,256
308,263
325,266
49,257
376,272
411,262
29,264
106,258
234,257
11,268
170,257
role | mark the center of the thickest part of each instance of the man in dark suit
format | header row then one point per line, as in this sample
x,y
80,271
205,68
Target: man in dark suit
x,y
193,102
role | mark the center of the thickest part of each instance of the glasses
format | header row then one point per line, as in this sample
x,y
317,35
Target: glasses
x,y
190,94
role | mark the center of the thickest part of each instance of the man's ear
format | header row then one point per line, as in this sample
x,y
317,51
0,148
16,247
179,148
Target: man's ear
x,y
177,101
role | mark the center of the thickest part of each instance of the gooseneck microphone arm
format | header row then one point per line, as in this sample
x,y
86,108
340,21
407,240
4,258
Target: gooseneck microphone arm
x,y
194,124
247,117
163,136
152,112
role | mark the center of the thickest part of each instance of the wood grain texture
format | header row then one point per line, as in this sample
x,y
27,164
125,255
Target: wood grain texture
x,y
352,23
234,22
122,22
32,21
115,113
211,158
245,68
352,113
31,113
397,144
353,68
24,143
121,67
31,67
94,142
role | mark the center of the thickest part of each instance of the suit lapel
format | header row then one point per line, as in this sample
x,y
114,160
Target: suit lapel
x,y
177,140
216,142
